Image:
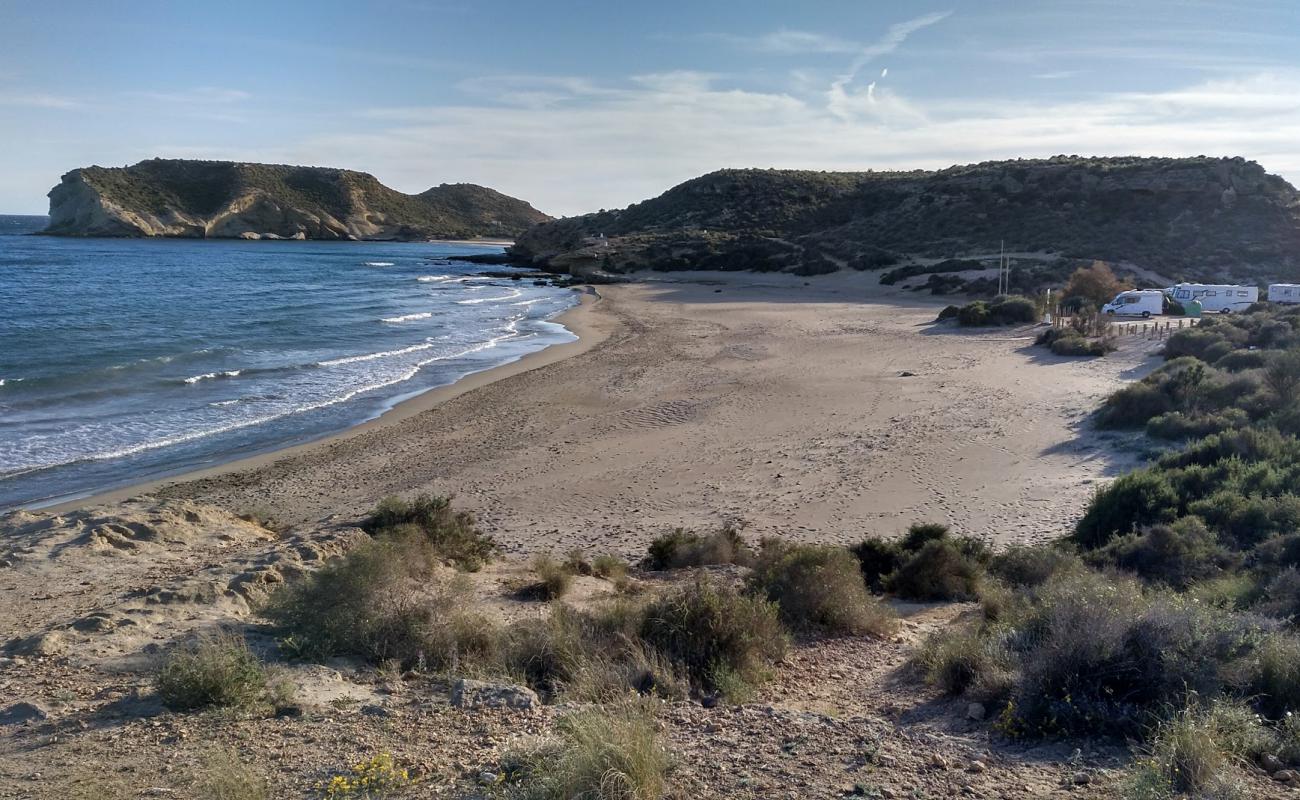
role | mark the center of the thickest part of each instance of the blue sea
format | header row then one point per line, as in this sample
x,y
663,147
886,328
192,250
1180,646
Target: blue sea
x,y
128,359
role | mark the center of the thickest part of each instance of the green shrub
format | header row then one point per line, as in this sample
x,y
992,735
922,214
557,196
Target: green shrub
x,y
1029,566
1133,406
976,313
1143,497
1177,555
920,533
683,548
1179,425
452,534
1075,345
877,558
949,312
819,588
939,570
1282,375
219,671
705,627
384,600
601,754
1241,360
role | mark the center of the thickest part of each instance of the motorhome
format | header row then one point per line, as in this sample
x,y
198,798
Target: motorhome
x,y
1136,303
1284,292
1216,298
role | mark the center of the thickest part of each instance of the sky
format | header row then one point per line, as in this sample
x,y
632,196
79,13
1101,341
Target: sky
x,y
577,106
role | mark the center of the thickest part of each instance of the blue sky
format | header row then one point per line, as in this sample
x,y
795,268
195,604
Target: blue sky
x,y
576,106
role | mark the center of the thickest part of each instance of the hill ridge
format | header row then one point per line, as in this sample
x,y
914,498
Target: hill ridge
x,y
193,198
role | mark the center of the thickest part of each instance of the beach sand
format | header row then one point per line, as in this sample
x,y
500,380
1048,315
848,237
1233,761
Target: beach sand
x,y
697,399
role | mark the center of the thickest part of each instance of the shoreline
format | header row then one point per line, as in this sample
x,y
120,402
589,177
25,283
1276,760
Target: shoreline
x,y
578,320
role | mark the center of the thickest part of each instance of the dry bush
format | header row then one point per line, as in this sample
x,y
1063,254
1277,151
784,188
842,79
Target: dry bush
x,y
218,671
386,599
599,754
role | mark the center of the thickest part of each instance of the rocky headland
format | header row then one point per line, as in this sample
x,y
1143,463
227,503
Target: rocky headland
x,y
228,200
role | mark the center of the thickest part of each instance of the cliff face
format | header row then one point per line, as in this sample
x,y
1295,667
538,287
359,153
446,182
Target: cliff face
x,y
219,199
1194,216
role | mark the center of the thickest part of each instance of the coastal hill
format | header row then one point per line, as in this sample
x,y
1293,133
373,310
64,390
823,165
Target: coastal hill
x,y
223,200
1183,216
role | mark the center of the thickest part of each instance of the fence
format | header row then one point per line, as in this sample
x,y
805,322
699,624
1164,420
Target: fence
x,y
1155,329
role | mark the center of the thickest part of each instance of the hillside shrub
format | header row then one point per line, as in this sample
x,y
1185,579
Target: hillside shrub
x,y
384,599
219,671
1095,283
964,661
1001,310
819,589
877,558
453,535
1177,555
1030,566
1075,345
682,548
1140,498
716,633
939,570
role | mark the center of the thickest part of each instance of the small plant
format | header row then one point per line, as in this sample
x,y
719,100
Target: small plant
x,y
264,518
219,671
225,777
961,661
372,779
599,755
553,578
609,567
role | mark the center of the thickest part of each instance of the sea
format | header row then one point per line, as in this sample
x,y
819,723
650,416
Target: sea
x,y
124,360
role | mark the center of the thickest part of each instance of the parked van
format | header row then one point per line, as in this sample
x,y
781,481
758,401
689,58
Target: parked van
x,y
1216,298
1284,292
1136,303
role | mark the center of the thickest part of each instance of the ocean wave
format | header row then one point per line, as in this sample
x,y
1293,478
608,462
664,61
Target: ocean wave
x,y
434,278
379,263
408,317
221,403
207,376
514,293
529,302
334,362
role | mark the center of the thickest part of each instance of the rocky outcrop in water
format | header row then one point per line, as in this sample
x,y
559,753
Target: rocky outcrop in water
x,y
227,200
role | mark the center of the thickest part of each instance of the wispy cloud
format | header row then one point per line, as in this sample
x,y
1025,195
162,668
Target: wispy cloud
x,y
838,100
787,42
199,95
38,100
624,143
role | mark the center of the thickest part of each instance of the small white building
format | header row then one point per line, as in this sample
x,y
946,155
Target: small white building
x,y
1284,292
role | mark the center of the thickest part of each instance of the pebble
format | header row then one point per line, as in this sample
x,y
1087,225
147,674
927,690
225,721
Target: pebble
x,y
1081,779
977,767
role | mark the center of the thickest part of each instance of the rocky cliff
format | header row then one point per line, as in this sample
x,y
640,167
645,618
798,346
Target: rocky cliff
x,y
221,199
1190,216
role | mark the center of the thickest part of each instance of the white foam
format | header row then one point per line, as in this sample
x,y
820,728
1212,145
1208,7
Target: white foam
x,y
434,278
211,375
220,403
379,263
408,317
333,362
529,302
514,293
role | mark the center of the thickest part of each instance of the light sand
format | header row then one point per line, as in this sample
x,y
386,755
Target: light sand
x,y
773,403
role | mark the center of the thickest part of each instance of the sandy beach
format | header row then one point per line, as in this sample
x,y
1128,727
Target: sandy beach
x,y
820,410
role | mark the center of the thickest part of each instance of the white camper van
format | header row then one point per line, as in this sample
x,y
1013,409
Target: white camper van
x,y
1136,303
1216,298
1284,292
